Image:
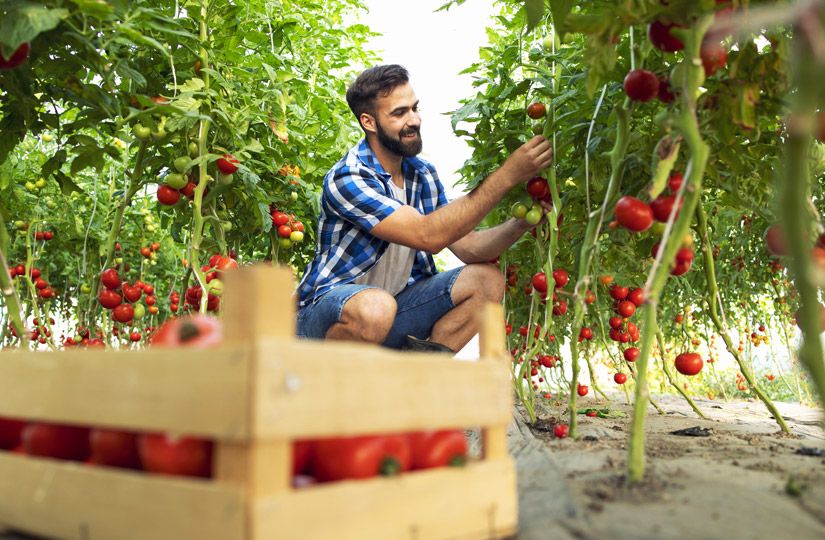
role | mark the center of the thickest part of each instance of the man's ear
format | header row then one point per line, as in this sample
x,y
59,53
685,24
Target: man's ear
x,y
368,122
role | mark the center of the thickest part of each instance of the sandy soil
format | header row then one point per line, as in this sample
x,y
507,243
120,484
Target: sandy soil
x,y
744,481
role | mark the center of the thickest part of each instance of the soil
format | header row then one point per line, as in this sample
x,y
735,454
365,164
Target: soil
x,y
745,480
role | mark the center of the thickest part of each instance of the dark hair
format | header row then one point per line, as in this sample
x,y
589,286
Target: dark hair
x,y
374,81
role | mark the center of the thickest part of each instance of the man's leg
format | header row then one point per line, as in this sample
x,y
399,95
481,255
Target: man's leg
x,y
476,285
367,316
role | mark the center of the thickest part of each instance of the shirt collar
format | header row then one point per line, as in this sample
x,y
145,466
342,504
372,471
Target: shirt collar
x,y
369,159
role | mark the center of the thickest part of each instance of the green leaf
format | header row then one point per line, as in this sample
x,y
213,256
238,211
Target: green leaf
x,y
67,186
535,11
25,21
90,157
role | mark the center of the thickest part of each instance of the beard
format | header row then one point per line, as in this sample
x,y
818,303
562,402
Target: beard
x,y
397,146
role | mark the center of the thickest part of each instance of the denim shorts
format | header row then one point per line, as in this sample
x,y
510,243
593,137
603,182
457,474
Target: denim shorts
x,y
420,306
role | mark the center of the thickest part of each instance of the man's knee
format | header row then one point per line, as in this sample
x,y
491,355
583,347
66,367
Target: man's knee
x,y
370,313
485,280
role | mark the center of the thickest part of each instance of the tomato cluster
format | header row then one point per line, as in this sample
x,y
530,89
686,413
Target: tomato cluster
x,y
116,291
44,291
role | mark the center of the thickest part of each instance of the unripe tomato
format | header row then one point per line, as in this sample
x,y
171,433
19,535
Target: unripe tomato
x,y
296,236
533,216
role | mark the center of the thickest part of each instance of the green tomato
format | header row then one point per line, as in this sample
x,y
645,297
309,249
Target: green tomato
x,y
533,216
150,228
193,149
140,311
658,228
153,262
46,137
293,196
296,236
175,180
215,287
50,204
41,182
226,226
519,211
225,179
30,186
118,260
159,134
21,225
285,243
538,128
142,132
85,289
547,43
182,164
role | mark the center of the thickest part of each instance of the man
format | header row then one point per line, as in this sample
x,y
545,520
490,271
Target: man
x,y
384,213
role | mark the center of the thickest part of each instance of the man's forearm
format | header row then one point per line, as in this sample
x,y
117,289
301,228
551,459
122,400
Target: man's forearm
x,y
486,245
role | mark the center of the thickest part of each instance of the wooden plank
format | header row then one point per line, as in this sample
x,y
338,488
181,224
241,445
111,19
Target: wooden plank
x,y
316,388
478,501
493,348
184,391
59,499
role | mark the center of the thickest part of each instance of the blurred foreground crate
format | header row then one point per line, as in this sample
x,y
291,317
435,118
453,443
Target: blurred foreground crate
x,y
253,396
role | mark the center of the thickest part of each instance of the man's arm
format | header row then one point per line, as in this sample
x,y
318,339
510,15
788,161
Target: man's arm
x,y
486,245
454,221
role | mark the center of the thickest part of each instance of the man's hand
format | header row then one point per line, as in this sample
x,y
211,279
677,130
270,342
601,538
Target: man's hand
x,y
528,160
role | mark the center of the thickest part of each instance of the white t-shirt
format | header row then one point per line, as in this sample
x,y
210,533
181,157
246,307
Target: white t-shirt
x,y
392,271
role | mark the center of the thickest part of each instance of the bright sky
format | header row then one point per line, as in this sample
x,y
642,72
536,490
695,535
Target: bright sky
x,y
434,47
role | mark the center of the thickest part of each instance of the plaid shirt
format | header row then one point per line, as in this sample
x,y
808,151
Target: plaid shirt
x,y
356,197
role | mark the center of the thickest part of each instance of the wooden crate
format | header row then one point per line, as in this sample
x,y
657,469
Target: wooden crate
x,y
255,395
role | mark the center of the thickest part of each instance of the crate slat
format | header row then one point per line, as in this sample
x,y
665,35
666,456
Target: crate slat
x,y
59,499
477,501
181,390
359,389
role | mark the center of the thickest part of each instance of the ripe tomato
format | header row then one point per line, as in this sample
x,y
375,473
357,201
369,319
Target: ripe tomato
x,y
537,187
631,354
110,279
714,56
626,308
618,292
689,363
675,181
684,255
680,268
561,277
633,214
109,299
616,322
16,58
189,189
540,282
536,110
432,449
303,455
636,296
661,38
11,431
132,293
225,263
585,333
182,456
606,279
620,378
662,206
168,196
589,297
123,313
56,441
665,94
342,458
560,308
227,164
200,331
284,231
641,85
775,240
114,448
279,218
560,431
582,390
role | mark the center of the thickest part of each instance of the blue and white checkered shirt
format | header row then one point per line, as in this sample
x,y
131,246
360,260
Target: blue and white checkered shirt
x,y
355,198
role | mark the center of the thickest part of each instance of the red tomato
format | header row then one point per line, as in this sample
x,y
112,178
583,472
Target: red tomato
x,y
662,206
200,331
641,85
132,293
661,38
585,333
633,214
582,390
227,164
618,292
56,441
432,449
636,296
16,58
666,94
560,431
226,263
631,354
591,414
284,231
11,431
714,56
560,308
689,363
680,268
123,313
279,218
561,277
536,110
168,196
182,456
540,282
303,453
343,458
616,322
620,378
775,240
537,187
114,448
626,308
675,181
109,299
110,279
189,189
684,255
589,297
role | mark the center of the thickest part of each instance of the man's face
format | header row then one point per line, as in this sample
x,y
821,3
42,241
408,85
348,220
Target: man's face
x,y
398,123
